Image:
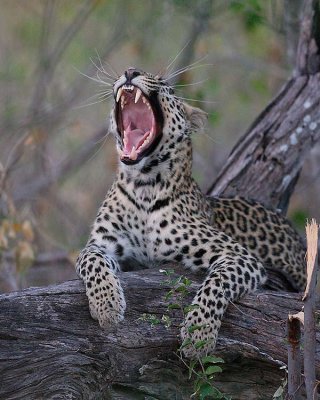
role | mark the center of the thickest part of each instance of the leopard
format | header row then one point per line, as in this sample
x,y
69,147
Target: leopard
x,y
155,213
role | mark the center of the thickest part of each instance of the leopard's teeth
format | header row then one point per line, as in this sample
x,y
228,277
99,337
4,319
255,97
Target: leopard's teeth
x,y
125,138
119,93
128,87
153,128
133,154
137,97
147,140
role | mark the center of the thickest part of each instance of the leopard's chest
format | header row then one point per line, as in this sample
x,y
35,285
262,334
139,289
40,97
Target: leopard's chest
x,y
156,222
146,231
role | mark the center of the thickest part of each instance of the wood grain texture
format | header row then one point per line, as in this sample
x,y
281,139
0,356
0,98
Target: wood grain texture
x,y
51,348
265,163
268,158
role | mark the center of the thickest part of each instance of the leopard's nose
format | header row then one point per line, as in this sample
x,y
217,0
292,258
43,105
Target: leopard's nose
x,y
131,73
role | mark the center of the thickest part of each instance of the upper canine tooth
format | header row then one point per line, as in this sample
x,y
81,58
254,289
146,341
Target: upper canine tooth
x,y
138,94
120,90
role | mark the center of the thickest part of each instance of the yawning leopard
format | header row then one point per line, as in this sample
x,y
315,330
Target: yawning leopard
x,y
155,212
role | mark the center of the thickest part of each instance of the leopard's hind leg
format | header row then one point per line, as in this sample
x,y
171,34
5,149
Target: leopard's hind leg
x,y
265,233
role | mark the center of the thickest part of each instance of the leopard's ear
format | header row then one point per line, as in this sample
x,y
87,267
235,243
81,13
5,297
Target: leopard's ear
x,y
196,116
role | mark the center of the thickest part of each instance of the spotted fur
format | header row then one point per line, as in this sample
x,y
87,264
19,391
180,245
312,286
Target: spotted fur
x,y
155,212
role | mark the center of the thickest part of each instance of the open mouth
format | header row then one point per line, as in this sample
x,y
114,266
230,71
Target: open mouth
x,y
139,120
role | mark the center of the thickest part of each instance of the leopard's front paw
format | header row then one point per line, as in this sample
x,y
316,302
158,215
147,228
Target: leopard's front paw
x,y
198,337
106,300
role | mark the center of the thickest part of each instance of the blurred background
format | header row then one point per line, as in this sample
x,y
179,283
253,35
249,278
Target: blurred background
x,y
229,57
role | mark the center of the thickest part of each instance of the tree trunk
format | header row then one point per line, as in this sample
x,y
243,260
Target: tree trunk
x,y
52,349
265,164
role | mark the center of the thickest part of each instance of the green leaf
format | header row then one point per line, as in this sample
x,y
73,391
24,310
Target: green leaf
x,y
211,360
213,369
174,282
173,306
151,318
208,391
181,288
154,321
200,344
185,343
191,307
168,295
193,328
186,281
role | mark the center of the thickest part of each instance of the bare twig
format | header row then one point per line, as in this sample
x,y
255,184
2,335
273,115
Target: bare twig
x,y
52,118
72,163
47,64
50,61
43,65
199,25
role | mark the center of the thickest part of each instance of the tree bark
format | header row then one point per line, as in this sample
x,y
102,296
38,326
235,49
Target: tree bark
x,y
52,349
265,163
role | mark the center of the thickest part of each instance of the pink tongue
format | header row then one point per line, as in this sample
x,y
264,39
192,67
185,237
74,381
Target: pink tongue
x,y
134,137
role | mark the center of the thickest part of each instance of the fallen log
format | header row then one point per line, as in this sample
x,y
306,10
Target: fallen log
x,y
51,348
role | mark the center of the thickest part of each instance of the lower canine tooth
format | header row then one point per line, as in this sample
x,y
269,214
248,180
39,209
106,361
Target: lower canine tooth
x,y
138,94
133,154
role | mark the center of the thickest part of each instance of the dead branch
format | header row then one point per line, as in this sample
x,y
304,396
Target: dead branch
x,y
49,340
268,158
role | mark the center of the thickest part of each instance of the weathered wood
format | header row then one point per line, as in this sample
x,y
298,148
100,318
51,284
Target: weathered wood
x,y
266,161
51,348
294,357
